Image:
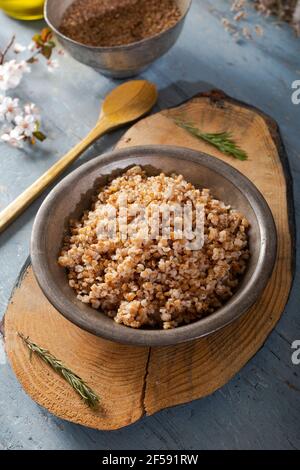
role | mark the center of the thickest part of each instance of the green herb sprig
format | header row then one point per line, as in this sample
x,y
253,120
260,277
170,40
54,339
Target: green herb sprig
x,y
86,393
223,141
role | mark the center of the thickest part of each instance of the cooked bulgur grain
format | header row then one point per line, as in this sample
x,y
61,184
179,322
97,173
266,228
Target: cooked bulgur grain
x,y
141,282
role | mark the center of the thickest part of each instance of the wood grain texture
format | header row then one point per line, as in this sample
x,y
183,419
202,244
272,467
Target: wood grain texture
x,y
114,371
132,381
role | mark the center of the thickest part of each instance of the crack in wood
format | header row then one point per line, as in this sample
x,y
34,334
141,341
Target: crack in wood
x,y
144,389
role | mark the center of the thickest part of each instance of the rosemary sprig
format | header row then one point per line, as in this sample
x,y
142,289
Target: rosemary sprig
x,y
86,393
221,140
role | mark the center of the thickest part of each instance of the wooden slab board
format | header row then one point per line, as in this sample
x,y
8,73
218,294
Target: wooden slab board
x,y
133,381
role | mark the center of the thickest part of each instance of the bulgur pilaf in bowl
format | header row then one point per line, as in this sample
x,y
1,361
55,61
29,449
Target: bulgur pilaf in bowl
x,y
162,289
158,282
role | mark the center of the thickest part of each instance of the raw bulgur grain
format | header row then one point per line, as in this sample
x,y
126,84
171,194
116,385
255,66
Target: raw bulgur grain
x,y
117,22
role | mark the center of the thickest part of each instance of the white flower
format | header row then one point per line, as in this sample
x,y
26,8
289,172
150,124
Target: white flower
x,y
16,134
25,125
6,128
13,138
9,108
32,109
3,78
31,46
23,66
11,74
19,48
52,64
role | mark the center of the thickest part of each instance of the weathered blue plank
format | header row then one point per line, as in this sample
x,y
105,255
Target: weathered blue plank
x,y
260,407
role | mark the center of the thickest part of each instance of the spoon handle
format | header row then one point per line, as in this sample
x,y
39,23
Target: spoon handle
x,y
15,208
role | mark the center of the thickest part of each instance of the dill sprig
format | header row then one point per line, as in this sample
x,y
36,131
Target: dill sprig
x,y
86,393
221,140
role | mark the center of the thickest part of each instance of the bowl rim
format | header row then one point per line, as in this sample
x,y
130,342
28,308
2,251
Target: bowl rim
x,y
239,303
129,46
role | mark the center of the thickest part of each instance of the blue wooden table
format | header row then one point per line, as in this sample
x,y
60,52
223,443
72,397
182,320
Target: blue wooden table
x,y
260,407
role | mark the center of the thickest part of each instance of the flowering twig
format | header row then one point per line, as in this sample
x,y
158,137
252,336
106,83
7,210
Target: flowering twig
x,y
44,45
22,124
9,45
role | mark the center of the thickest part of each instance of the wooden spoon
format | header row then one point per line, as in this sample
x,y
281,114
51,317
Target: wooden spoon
x,y
124,104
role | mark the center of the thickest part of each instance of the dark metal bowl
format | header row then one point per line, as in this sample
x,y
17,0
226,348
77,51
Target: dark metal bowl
x,y
73,195
118,61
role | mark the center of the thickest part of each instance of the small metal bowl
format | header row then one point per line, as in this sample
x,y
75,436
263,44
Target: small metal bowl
x,y
73,195
118,61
